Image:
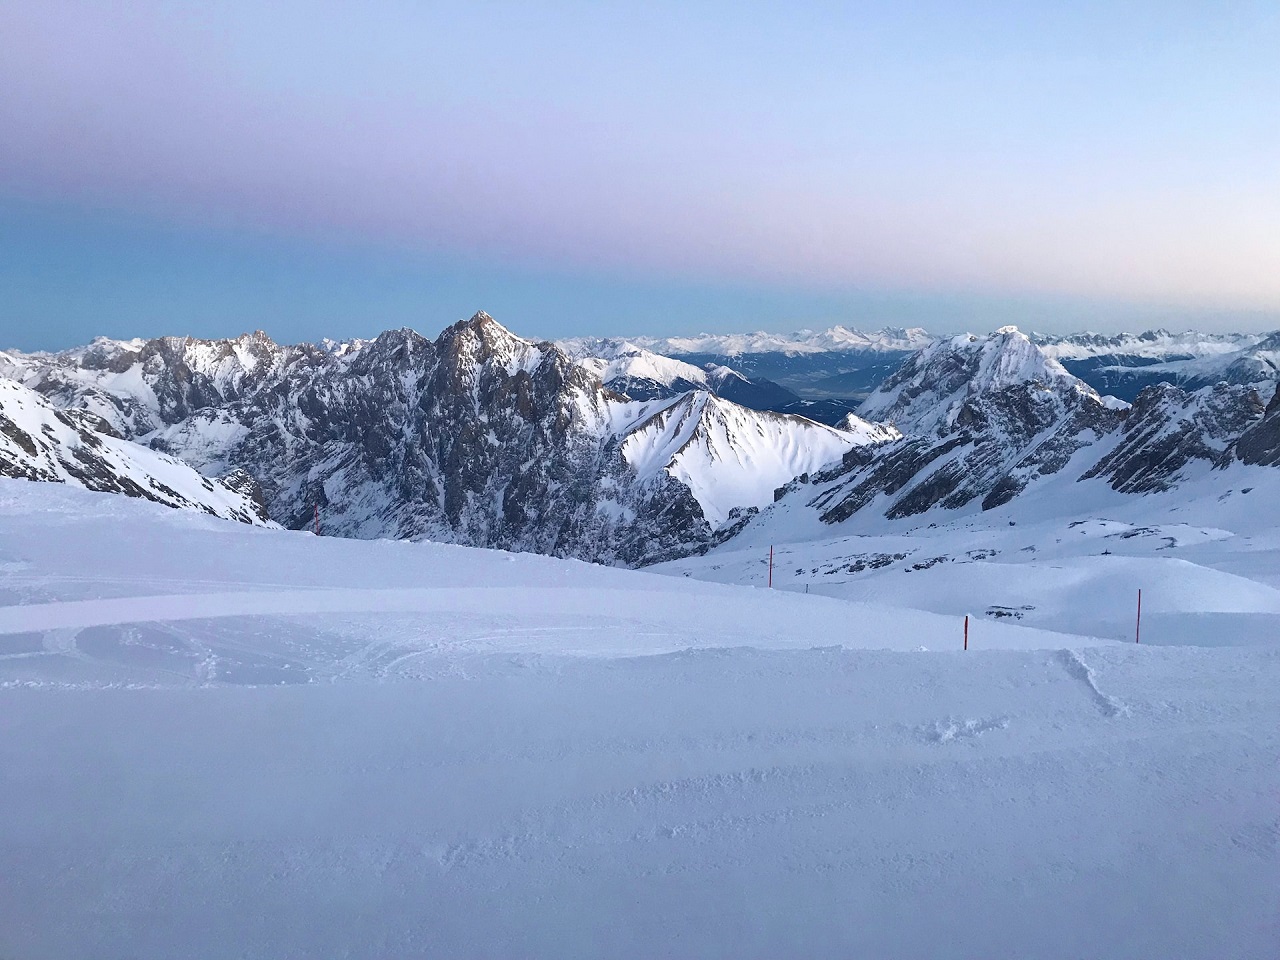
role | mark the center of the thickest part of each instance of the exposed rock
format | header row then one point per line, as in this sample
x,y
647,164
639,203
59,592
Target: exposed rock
x,y
1169,428
1260,442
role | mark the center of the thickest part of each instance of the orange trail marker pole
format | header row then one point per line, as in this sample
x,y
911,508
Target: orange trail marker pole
x,y
771,566
966,631
1137,632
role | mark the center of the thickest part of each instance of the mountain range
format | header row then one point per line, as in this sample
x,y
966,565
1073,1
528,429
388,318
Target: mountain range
x,y
614,451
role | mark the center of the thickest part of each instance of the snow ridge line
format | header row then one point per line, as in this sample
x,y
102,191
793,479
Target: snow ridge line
x,y
1077,669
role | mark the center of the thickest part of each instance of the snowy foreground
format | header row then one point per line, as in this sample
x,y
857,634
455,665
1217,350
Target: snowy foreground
x,y
221,741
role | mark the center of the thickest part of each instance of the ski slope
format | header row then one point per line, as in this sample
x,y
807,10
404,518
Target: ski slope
x,y
228,741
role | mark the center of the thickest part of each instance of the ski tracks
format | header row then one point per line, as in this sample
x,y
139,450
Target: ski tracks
x,y
1076,667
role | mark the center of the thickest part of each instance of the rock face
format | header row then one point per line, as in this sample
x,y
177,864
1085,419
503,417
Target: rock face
x,y
1260,443
40,442
1170,428
478,437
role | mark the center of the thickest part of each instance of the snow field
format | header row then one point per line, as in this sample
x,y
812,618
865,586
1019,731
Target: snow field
x,y
224,741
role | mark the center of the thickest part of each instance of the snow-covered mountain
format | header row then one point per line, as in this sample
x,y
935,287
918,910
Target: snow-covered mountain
x,y
1169,429
640,374
615,453
1124,364
478,437
729,456
826,371
833,339
931,389
985,418
40,442
1158,344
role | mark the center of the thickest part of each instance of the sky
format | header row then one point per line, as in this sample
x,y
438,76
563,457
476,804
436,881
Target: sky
x,y
333,169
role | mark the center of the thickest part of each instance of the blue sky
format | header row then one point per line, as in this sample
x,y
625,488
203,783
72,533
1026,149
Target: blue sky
x,y
338,168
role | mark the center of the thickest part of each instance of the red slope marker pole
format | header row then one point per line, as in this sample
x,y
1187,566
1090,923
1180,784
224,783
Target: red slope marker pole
x,y
1137,632
966,631
771,566
317,519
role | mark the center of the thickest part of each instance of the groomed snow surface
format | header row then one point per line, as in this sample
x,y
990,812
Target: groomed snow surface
x,y
223,741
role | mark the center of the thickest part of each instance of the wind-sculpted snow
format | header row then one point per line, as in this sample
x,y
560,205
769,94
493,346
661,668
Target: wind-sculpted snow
x,y
242,742
39,442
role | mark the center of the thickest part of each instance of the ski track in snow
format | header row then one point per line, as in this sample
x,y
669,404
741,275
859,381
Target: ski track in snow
x,y
1077,669
234,743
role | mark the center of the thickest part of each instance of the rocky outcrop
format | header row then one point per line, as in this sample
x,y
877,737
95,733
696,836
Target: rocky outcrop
x,y
1169,428
42,443
1259,444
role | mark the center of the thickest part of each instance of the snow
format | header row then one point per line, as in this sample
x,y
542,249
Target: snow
x,y
731,457
926,394
1152,345
837,339
41,442
640,364
228,741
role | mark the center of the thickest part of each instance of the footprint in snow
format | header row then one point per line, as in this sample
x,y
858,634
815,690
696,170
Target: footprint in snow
x,y
945,731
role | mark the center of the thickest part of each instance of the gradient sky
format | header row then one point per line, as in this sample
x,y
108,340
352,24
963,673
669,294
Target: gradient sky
x,y
327,168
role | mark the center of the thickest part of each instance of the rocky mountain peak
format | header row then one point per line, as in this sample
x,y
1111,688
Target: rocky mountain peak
x,y
929,393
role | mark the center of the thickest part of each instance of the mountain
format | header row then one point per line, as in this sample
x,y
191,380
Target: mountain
x,y
834,364
40,442
937,385
1259,444
1169,429
640,374
477,437
832,340
1124,364
986,418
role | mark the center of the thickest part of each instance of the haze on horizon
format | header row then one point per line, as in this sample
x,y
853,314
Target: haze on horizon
x,y
333,169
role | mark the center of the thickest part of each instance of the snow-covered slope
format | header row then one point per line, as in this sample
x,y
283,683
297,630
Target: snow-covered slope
x,y
1065,555
730,457
39,442
635,372
252,743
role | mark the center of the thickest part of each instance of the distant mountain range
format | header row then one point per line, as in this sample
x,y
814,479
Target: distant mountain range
x,y
613,451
